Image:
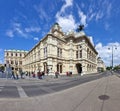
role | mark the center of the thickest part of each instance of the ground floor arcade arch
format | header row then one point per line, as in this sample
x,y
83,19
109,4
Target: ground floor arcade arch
x,y
79,68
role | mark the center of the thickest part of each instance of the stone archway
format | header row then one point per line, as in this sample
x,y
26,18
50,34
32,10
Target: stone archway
x,y
45,67
79,68
59,67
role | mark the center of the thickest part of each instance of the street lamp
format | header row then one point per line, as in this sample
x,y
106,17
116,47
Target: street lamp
x,y
112,47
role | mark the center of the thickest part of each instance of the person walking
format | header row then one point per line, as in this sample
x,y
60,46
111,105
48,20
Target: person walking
x,y
17,75
13,75
56,74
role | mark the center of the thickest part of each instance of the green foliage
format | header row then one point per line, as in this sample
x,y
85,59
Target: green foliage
x,y
2,68
109,68
102,69
116,68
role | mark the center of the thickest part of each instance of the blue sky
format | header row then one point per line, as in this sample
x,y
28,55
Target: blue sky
x,y
24,22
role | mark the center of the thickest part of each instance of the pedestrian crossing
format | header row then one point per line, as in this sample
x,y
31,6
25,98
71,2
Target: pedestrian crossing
x,y
21,92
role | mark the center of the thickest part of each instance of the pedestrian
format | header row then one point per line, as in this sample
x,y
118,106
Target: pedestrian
x,y
56,74
13,75
33,74
17,75
39,75
29,74
43,74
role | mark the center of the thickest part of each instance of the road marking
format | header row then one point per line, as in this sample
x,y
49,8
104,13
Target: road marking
x,y
21,92
47,89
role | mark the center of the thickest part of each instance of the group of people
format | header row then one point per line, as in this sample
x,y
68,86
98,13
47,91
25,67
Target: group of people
x,y
56,74
15,75
39,74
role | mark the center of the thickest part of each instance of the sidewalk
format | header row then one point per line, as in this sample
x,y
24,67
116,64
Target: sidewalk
x,y
99,95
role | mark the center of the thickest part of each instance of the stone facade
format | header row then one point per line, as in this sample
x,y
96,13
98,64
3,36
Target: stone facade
x,y
62,52
100,65
14,59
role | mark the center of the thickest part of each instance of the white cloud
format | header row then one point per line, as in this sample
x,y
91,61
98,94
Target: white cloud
x,y
99,15
91,40
107,26
9,33
40,10
98,10
83,17
91,16
16,29
32,29
16,24
36,38
107,6
67,4
19,31
106,54
67,22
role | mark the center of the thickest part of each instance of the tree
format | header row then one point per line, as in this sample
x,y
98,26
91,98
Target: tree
x,y
2,68
109,68
116,68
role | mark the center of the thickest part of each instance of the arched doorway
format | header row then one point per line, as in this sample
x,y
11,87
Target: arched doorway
x,y
59,67
79,68
45,67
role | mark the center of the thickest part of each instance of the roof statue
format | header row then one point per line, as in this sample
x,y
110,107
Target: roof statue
x,y
80,28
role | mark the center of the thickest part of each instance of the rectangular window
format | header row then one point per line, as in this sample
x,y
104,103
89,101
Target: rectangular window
x,y
59,52
20,62
39,54
45,52
80,53
11,62
16,62
77,54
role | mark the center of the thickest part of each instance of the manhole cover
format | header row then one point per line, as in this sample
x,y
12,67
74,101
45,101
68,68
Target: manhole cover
x,y
104,97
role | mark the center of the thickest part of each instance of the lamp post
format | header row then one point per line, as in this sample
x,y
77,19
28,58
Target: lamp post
x,y
112,47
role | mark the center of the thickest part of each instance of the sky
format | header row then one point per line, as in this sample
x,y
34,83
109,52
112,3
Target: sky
x,y
24,22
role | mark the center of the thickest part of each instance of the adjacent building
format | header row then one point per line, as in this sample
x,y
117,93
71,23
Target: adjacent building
x,y
14,59
62,52
100,65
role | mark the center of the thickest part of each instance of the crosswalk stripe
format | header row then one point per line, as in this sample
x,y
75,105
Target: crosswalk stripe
x,y
21,92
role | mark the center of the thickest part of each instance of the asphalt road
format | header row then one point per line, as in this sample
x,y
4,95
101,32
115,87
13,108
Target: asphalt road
x,y
34,87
